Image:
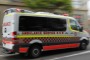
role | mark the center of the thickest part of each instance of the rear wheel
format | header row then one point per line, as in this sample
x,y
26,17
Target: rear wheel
x,y
34,52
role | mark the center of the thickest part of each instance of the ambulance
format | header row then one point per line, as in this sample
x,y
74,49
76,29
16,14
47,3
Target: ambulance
x,y
27,32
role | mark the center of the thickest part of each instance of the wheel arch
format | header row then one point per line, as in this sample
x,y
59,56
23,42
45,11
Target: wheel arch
x,y
36,42
84,39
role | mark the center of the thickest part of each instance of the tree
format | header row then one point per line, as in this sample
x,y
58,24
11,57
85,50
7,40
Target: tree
x,y
56,4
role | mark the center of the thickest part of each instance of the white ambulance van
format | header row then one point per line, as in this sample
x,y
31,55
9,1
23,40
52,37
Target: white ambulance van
x,y
28,32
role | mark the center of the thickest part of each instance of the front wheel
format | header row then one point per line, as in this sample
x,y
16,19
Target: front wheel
x,y
34,52
83,46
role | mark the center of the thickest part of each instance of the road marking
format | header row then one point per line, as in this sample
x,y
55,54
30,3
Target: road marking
x,y
7,55
70,55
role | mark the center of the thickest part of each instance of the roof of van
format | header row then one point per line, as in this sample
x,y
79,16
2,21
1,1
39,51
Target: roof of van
x,y
41,14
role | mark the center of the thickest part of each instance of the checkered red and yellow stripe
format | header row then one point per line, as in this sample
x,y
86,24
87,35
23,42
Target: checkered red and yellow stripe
x,y
50,39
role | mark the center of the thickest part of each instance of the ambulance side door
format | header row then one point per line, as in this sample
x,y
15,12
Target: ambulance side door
x,y
75,30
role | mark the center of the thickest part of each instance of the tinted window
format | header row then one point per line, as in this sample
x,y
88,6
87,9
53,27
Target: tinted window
x,y
29,23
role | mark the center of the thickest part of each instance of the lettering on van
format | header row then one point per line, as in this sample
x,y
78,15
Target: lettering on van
x,y
7,24
42,32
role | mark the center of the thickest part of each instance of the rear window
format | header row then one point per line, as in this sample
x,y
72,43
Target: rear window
x,y
30,23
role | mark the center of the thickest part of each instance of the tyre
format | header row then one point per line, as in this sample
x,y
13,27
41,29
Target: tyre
x,y
34,52
83,46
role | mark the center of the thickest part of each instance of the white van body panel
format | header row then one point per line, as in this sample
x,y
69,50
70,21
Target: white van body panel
x,y
8,46
8,26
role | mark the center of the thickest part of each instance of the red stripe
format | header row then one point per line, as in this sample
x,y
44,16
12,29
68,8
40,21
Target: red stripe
x,y
63,46
23,50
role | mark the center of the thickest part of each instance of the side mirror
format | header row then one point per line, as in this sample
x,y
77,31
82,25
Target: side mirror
x,y
81,29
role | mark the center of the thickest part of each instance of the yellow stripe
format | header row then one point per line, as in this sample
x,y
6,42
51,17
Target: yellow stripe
x,y
38,36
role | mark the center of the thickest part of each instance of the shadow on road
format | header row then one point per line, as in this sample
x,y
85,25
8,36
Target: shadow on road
x,y
44,54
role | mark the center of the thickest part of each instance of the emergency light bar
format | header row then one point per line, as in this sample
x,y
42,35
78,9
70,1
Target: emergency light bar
x,y
11,10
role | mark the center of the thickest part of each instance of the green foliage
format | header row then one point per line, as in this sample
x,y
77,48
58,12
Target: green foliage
x,y
61,4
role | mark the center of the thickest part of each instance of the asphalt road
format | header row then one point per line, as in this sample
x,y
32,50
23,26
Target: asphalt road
x,y
67,54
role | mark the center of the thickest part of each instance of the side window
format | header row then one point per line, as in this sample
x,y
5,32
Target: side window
x,y
57,24
30,23
74,25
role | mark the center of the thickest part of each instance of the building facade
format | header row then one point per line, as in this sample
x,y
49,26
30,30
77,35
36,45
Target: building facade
x,y
80,9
